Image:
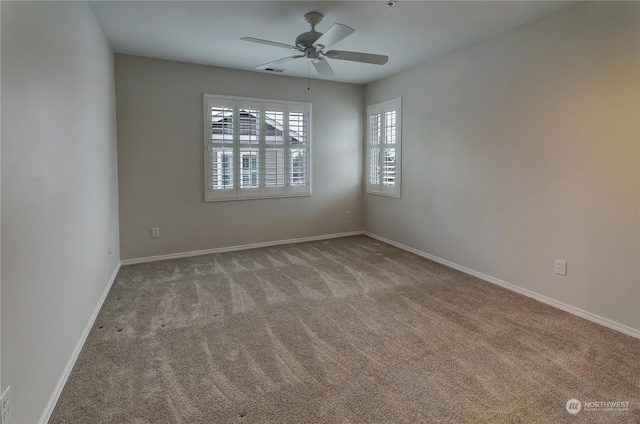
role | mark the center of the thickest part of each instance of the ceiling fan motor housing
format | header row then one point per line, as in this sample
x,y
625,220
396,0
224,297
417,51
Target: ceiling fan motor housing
x,y
306,39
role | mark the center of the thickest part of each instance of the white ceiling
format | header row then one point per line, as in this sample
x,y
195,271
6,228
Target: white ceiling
x,y
208,32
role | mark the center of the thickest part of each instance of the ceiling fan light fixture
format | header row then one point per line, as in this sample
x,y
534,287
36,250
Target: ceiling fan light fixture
x,y
311,53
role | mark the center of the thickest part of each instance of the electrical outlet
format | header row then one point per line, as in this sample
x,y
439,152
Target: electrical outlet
x,y
561,267
155,232
347,215
5,402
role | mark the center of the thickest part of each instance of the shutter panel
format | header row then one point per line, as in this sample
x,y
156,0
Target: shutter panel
x,y
298,164
249,168
221,114
298,129
298,167
374,135
389,159
274,125
274,165
221,168
222,121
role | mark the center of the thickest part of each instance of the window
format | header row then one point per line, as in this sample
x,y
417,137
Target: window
x,y
256,148
384,137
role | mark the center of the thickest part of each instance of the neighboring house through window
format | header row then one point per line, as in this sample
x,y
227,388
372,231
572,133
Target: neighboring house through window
x,y
384,137
271,142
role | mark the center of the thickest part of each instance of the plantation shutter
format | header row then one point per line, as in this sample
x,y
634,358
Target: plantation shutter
x,y
256,149
384,148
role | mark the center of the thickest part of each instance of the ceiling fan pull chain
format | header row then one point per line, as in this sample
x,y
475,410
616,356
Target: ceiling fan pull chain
x,y
308,75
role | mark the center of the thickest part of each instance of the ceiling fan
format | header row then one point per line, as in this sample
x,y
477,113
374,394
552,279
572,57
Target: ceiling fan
x,y
314,46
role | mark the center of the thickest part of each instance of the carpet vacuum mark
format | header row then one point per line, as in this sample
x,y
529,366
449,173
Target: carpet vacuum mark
x,y
348,330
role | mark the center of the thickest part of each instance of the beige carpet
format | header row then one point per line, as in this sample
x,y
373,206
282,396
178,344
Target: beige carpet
x,y
348,330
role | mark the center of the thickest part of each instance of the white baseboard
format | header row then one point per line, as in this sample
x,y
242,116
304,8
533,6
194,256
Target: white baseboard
x,y
235,248
76,352
541,298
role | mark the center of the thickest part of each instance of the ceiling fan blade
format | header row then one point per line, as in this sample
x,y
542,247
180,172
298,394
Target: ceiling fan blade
x,y
375,59
323,67
334,34
278,62
269,43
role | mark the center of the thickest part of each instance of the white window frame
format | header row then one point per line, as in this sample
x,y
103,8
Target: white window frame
x,y
384,139
281,176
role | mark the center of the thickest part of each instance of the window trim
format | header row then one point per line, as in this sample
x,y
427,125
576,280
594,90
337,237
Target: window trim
x,y
380,188
261,147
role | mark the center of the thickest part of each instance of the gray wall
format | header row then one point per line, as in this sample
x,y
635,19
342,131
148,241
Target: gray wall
x,y
59,192
160,160
523,148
